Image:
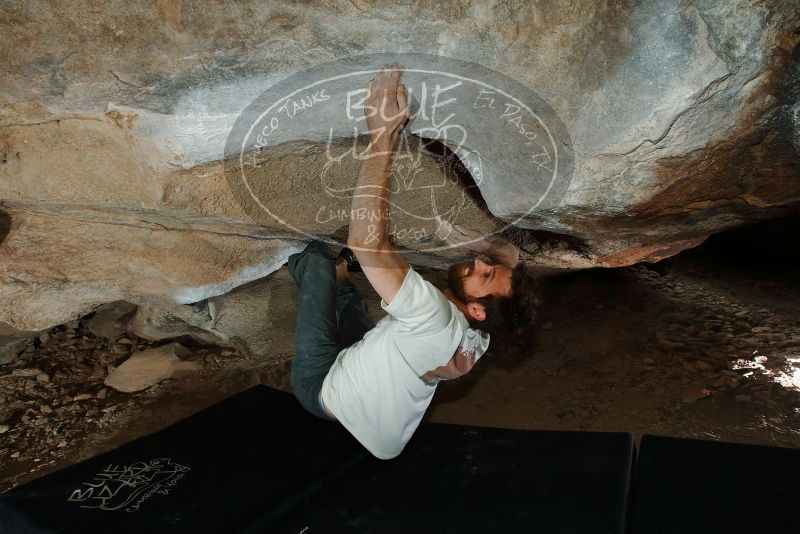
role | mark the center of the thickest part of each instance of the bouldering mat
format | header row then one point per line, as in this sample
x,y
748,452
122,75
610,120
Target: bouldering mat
x,y
248,459
687,486
467,479
257,462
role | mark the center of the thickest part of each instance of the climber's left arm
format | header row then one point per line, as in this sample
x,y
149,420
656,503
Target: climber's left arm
x,y
386,111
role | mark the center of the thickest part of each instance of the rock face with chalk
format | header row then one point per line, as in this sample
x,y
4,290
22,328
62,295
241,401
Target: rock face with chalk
x,y
139,159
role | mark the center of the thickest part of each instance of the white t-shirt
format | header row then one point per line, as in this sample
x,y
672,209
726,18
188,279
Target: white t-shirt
x,y
374,387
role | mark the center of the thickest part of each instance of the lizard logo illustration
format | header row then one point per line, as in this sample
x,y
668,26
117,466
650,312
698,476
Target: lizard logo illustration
x,y
127,487
471,133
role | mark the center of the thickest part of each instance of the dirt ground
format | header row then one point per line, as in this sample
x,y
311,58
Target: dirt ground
x,y
706,345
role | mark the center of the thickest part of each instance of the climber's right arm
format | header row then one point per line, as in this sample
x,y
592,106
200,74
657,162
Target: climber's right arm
x,y
386,111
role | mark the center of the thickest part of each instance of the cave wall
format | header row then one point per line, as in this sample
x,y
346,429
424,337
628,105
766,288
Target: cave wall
x,y
683,120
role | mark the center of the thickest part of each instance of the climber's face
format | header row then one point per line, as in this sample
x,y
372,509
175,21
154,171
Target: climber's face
x,y
470,281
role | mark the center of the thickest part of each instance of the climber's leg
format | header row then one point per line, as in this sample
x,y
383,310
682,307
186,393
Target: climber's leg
x,y
354,319
316,338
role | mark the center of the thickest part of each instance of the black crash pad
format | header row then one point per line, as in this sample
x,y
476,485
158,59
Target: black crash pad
x,y
257,462
687,486
245,460
454,478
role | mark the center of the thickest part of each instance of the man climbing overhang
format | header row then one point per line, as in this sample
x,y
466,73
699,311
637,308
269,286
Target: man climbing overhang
x,y
378,380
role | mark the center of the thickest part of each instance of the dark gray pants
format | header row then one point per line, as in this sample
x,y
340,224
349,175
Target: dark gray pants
x,y
330,317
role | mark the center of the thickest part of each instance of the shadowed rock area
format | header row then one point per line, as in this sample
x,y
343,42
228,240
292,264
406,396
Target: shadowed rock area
x,y
679,120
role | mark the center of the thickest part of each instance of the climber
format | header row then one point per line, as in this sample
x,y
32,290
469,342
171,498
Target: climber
x,y
378,380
